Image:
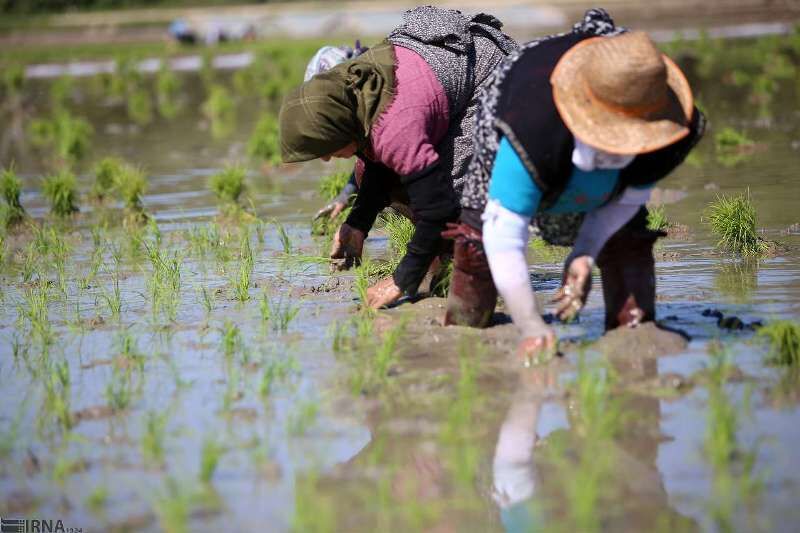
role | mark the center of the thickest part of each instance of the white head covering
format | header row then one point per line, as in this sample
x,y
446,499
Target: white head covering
x,y
328,57
587,158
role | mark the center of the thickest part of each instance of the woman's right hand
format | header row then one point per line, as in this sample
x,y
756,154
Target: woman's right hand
x,y
348,244
537,348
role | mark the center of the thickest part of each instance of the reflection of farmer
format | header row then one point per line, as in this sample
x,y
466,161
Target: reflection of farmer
x,y
405,108
325,59
575,124
513,468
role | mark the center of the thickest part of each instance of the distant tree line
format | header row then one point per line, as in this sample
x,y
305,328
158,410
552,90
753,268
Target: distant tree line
x,y
56,6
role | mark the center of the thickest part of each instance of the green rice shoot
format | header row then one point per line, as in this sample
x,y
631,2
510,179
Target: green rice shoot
x,y
784,342
733,221
61,191
228,184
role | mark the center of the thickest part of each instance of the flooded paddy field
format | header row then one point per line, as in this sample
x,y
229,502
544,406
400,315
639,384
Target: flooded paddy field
x,y
175,359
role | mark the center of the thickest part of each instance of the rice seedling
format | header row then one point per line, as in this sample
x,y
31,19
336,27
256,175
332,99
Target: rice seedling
x,y
97,499
231,341
210,455
220,110
363,274
302,417
113,298
173,506
783,337
139,105
106,174
283,236
657,218
131,184
35,310
11,188
168,87
228,185
734,482
281,312
13,80
232,392
315,510
119,390
331,185
208,299
58,389
733,220
275,371
544,252
9,436
153,449
241,282
732,147
68,136
729,139
61,191
128,352
264,143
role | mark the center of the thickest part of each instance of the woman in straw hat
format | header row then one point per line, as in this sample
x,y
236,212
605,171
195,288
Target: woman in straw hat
x,y
571,137
405,108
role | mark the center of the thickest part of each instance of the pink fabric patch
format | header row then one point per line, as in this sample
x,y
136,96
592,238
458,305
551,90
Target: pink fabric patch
x,y
405,135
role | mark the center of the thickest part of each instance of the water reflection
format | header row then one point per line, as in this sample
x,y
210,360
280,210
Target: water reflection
x,y
513,467
737,280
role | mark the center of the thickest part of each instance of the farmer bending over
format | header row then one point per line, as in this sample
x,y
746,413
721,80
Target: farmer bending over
x,y
576,127
405,108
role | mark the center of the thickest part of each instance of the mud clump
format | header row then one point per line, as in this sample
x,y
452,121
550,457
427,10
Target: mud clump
x,y
646,340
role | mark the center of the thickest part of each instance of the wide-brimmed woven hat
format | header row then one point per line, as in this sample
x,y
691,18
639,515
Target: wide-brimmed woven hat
x,y
621,95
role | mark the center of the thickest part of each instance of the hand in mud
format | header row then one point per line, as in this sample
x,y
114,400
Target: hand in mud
x,y
539,349
331,210
575,286
348,244
383,293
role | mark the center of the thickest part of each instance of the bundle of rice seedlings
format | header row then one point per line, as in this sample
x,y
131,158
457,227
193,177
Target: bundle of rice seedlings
x,y
733,221
61,191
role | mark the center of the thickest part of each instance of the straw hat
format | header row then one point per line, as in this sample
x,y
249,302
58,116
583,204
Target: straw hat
x,y
621,95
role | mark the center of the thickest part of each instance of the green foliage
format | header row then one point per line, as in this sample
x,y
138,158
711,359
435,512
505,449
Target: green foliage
x,y
547,253
331,185
728,138
209,458
264,143
153,449
229,183
241,282
139,106
131,184
11,188
733,221
168,87
657,218
302,417
784,342
68,136
106,174
61,191
220,110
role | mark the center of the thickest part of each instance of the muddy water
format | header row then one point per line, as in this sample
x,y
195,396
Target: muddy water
x,y
455,436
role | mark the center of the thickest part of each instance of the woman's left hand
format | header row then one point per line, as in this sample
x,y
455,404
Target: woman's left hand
x,y
383,293
575,286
